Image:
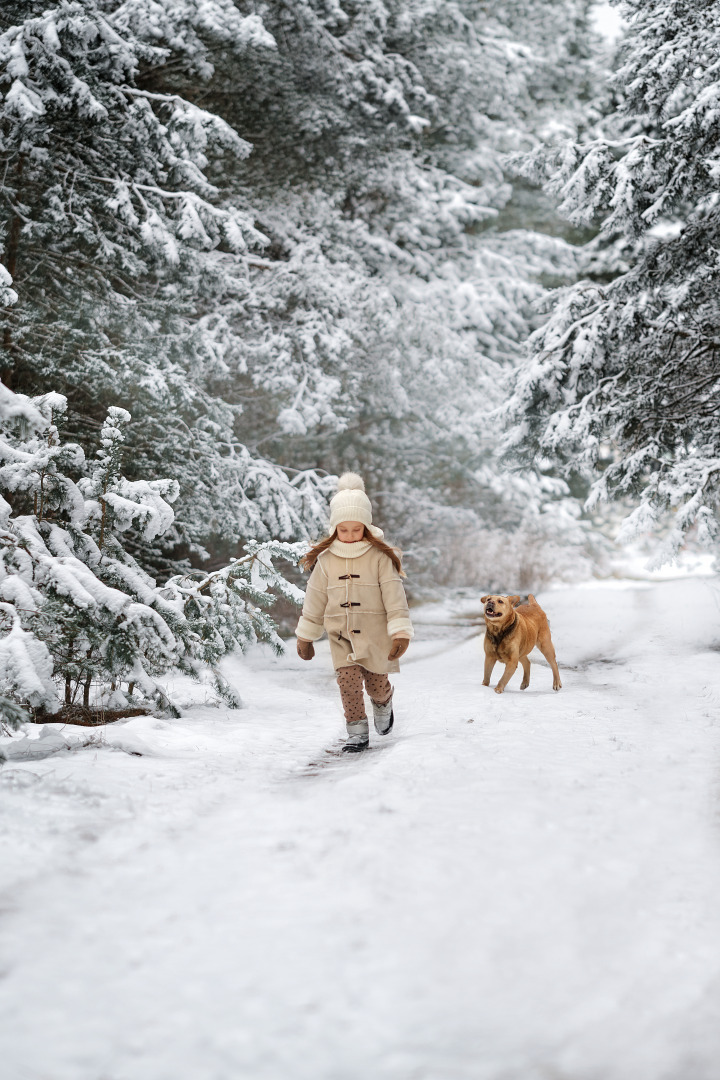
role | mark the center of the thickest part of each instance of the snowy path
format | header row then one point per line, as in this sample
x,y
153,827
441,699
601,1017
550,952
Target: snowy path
x,y
521,887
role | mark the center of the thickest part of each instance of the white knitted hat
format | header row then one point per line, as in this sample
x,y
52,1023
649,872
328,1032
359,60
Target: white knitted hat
x,y
350,503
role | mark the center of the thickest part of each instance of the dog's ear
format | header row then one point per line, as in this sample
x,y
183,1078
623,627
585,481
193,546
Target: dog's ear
x,y
514,600
484,599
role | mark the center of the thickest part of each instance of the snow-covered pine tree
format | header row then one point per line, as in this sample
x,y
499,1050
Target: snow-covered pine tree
x,y
382,294
390,301
25,663
119,246
100,178
623,382
80,621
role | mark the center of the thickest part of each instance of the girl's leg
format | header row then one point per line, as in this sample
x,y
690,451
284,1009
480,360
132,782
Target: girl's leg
x,y
350,681
378,687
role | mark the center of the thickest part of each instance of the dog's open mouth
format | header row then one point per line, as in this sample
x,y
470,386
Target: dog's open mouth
x,y
493,614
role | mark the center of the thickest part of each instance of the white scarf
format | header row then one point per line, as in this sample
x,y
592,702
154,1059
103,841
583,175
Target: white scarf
x,y
349,551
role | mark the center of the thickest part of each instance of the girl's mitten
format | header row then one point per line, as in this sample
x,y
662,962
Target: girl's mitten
x,y
399,646
306,649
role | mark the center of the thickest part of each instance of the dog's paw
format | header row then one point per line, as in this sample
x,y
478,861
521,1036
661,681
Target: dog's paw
x,y
557,685
486,683
499,689
524,685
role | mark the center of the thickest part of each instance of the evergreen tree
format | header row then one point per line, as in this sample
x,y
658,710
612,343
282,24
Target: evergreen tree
x,y
118,244
349,293
395,304
79,618
623,380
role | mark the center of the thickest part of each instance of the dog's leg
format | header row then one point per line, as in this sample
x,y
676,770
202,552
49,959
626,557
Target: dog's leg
x,y
526,672
506,676
489,665
547,648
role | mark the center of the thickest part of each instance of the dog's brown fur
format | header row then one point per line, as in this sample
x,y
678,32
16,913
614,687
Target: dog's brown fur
x,y
511,643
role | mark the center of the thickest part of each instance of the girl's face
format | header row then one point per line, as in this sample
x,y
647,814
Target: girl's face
x,y
350,531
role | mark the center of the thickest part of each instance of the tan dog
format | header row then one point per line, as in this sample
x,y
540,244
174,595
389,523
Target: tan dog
x,y
511,633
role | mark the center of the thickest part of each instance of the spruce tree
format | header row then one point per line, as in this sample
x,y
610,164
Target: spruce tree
x,y
622,382
308,257
80,620
119,245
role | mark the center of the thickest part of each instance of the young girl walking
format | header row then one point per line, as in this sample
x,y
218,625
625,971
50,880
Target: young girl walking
x,y
355,592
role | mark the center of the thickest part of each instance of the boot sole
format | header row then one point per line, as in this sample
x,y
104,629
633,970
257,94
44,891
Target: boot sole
x,y
355,749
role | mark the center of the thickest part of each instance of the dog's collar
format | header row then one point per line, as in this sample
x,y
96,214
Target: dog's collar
x,y
503,633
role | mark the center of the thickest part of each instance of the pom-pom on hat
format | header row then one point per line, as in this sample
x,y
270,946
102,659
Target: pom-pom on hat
x,y
350,503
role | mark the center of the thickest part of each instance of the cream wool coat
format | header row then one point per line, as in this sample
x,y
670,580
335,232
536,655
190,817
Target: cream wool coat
x,y
356,594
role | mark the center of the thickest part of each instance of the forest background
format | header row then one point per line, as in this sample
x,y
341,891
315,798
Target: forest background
x,y
466,249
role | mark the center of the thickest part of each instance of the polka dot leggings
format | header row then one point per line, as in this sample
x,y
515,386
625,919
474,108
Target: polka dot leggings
x,y
350,680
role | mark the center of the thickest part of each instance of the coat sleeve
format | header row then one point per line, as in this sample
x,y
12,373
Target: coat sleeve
x,y
310,626
395,601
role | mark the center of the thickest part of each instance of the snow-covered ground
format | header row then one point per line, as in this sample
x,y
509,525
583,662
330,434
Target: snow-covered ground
x,y
521,887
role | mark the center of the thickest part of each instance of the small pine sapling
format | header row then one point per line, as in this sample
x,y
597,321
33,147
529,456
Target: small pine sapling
x,y
77,611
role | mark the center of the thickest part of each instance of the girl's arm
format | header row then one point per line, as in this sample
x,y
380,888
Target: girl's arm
x,y
310,626
395,601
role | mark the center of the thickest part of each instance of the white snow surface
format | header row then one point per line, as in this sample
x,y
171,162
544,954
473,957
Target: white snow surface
x,y
508,887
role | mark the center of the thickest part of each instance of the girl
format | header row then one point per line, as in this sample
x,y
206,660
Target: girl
x,y
355,592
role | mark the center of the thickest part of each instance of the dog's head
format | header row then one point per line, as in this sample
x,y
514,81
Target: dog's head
x,y
499,610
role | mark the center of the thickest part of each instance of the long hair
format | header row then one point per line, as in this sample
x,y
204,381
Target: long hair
x,y
308,561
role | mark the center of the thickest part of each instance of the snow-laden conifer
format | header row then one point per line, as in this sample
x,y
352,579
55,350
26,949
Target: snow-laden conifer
x,y
623,380
113,230
401,297
80,620
348,292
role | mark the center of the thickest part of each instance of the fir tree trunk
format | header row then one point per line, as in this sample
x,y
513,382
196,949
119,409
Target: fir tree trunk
x,y
86,685
10,258
101,541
